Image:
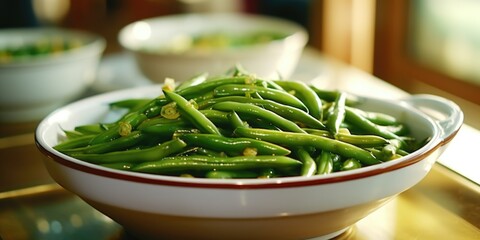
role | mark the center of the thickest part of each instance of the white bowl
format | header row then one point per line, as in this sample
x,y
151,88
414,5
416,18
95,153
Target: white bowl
x,y
266,60
279,208
32,87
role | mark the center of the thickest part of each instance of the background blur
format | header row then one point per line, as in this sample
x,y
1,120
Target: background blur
x,y
421,46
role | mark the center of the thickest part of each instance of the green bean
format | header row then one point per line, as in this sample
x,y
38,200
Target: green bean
x,y
217,117
204,163
306,95
118,144
232,145
91,128
237,71
73,134
152,108
253,110
309,166
131,119
302,139
351,164
324,163
254,95
200,78
202,97
330,96
401,153
195,116
352,116
318,132
240,71
236,121
201,151
379,118
266,93
135,155
163,121
337,115
167,130
231,174
130,103
362,140
207,86
288,112
272,84
77,142
398,129
388,151
268,173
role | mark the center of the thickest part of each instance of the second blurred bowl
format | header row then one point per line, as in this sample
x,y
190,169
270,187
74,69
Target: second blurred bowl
x,y
42,69
162,46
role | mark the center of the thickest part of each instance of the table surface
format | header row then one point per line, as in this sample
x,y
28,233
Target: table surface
x,y
445,205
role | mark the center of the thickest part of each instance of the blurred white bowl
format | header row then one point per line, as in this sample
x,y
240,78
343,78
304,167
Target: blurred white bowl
x,y
157,206
150,39
32,86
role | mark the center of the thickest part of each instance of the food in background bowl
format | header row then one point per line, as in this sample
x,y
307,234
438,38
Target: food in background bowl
x,y
217,41
49,45
44,68
162,46
296,207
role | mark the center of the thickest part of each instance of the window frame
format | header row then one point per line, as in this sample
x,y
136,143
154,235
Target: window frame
x,y
393,64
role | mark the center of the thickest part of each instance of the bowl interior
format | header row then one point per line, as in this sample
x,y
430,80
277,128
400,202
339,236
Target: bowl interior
x,y
96,109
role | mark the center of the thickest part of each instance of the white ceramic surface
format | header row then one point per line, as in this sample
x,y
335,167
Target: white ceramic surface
x,y
31,88
343,195
266,60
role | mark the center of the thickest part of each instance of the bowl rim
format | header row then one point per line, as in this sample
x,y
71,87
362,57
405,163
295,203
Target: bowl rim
x,y
51,154
95,44
300,34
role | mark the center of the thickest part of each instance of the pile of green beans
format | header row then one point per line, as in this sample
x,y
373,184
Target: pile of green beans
x,y
240,126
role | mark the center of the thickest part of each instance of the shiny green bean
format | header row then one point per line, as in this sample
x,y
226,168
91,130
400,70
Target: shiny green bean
x,y
311,100
207,86
204,163
266,93
335,119
231,174
80,141
198,119
135,155
253,110
355,118
195,80
309,167
362,140
292,113
235,146
118,144
351,164
132,119
324,163
302,139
